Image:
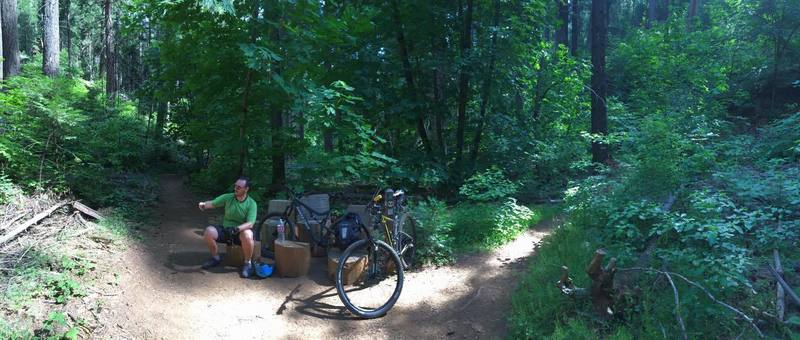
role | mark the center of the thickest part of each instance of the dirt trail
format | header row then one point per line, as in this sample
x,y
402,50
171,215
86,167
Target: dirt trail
x,y
163,293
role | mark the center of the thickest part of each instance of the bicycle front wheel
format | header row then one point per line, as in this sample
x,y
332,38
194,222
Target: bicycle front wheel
x,y
369,278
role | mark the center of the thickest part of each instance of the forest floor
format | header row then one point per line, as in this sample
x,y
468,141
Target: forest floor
x,y
163,293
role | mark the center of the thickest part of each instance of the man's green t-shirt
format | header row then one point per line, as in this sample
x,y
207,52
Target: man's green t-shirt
x,y
236,213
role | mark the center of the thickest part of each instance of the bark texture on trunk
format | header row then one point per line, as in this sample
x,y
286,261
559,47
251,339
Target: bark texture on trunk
x,y
11,63
487,86
563,22
50,62
576,28
599,33
463,85
409,78
110,57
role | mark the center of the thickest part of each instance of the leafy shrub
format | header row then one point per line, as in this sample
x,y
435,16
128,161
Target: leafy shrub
x,y
61,134
7,188
434,240
62,287
56,327
488,225
487,186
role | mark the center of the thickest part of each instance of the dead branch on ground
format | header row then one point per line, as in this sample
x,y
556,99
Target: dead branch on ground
x,y
13,233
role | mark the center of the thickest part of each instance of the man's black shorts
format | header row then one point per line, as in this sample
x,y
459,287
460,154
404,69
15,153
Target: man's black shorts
x,y
226,235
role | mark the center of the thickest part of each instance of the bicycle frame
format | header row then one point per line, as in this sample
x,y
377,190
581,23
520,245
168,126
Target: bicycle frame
x,y
295,206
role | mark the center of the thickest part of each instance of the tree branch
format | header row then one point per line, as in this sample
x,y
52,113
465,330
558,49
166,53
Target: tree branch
x,y
711,296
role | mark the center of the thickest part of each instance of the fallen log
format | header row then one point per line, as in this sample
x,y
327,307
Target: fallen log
x,y
13,233
10,222
788,289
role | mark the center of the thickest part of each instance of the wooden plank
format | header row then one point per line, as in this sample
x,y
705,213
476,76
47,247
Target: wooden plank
x,y
86,210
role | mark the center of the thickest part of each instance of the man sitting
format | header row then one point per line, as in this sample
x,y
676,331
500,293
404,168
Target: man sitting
x,y
237,224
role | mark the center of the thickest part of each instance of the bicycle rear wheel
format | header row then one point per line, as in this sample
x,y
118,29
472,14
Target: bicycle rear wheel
x,y
378,274
407,233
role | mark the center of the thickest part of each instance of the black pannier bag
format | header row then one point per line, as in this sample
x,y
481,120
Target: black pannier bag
x,y
347,230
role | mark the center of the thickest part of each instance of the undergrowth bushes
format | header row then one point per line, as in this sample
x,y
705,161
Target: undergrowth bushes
x,y
61,134
716,224
443,231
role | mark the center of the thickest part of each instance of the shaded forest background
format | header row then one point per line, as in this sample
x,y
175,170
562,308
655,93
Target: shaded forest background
x,y
668,130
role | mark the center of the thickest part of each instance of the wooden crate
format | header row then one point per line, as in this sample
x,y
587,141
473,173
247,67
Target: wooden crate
x,y
353,269
292,259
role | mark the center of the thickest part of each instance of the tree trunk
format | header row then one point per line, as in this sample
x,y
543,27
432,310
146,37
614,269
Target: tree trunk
x,y
693,8
277,124
161,120
50,62
1,41
11,66
576,28
248,82
440,87
563,23
111,74
68,32
278,157
487,85
657,10
599,33
409,77
463,85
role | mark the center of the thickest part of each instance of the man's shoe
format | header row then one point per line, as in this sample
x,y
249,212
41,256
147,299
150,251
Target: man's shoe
x,y
212,262
247,270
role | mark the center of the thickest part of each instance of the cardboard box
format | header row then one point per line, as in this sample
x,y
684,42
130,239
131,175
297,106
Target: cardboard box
x,y
292,259
234,255
353,269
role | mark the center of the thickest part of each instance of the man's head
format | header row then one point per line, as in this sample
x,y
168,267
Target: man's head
x,y
241,186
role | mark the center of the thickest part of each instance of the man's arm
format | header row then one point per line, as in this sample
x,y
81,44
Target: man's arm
x,y
244,226
205,205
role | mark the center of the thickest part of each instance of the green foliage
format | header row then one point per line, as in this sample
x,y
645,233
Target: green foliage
x,y
63,287
56,327
434,232
13,331
487,186
7,189
538,308
488,225
782,137
59,134
574,329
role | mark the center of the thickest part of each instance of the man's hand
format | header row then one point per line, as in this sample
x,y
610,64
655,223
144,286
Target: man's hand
x,y
202,206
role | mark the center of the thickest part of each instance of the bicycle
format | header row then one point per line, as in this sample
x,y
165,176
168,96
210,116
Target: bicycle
x,y
379,286
304,214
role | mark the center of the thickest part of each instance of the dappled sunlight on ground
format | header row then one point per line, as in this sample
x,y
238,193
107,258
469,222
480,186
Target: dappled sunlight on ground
x,y
164,293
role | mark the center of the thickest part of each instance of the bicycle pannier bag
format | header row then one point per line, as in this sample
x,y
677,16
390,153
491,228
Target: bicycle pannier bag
x,y
347,230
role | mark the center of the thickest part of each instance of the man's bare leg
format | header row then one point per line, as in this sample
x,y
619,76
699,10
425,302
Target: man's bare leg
x,y
210,235
247,244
